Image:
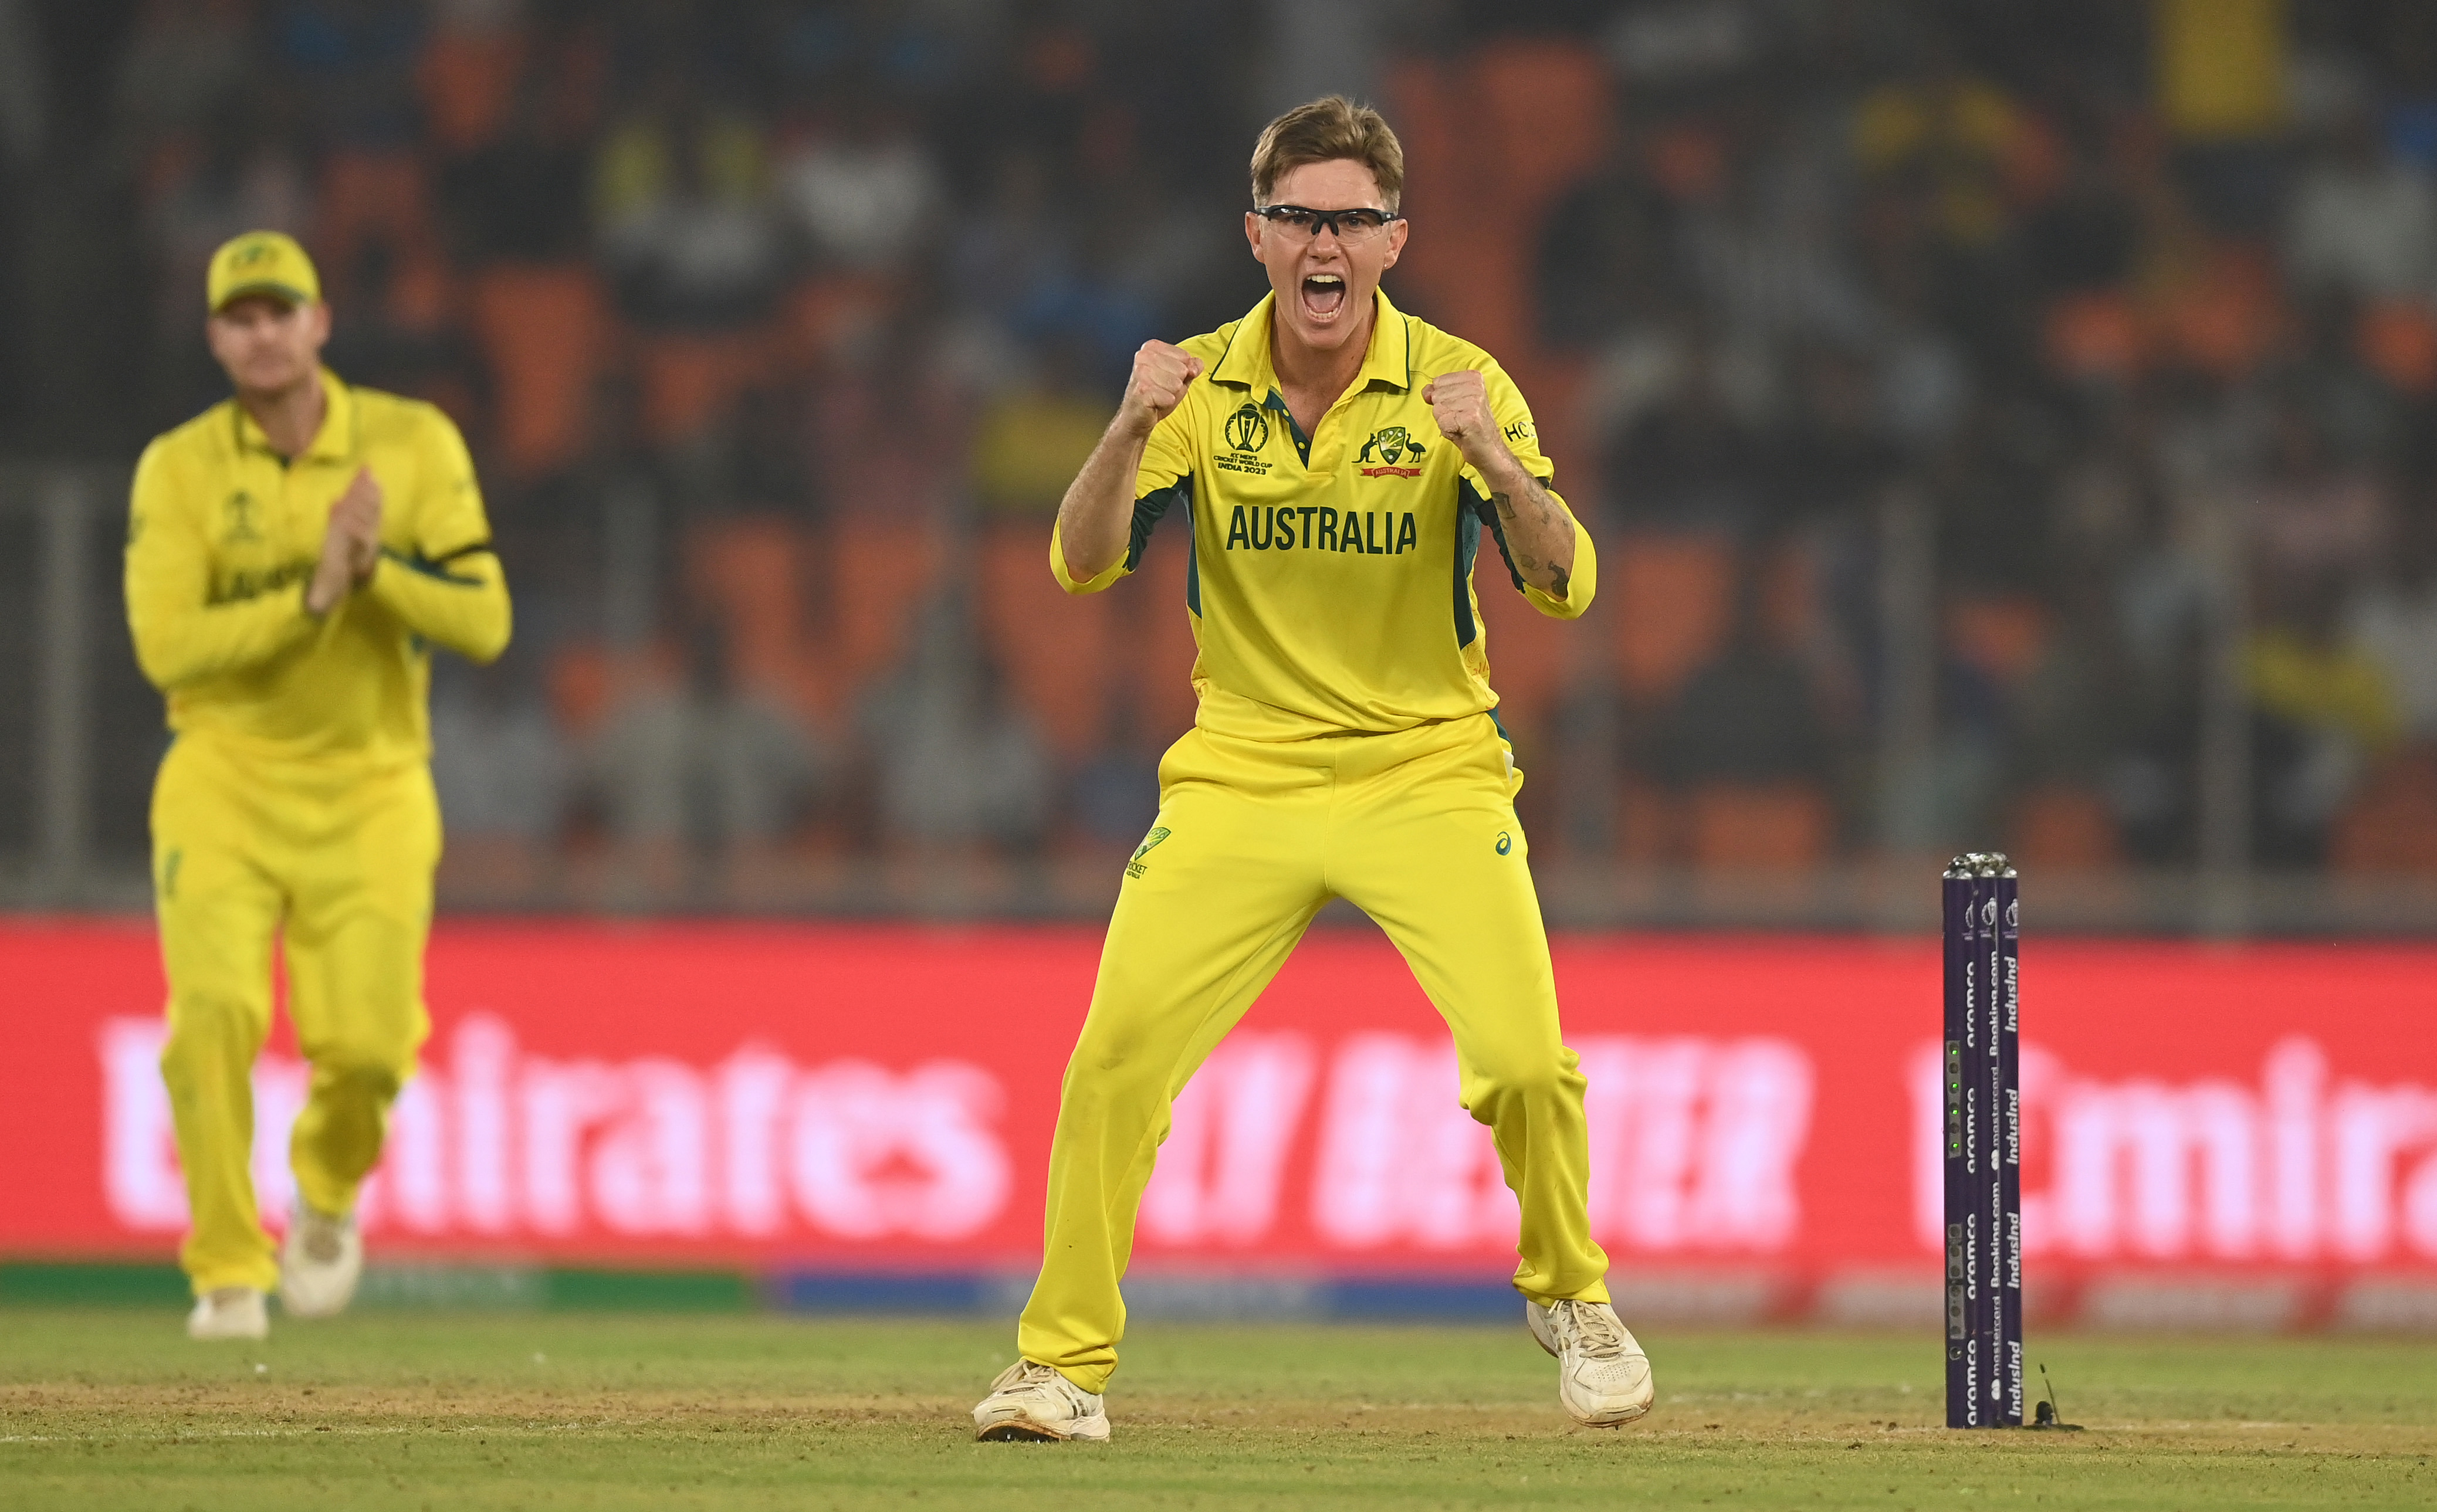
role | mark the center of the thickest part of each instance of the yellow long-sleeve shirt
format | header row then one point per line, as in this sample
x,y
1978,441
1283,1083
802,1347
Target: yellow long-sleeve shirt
x,y
222,535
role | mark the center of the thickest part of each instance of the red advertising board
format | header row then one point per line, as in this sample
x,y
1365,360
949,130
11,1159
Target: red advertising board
x,y
882,1098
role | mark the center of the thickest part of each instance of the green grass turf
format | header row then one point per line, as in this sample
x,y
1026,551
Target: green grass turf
x,y
108,1409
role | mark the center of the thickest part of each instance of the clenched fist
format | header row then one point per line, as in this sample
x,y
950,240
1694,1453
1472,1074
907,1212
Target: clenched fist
x,y
1162,373
1458,401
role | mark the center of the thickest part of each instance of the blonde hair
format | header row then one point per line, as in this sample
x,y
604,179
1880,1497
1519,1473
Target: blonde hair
x,y
1330,127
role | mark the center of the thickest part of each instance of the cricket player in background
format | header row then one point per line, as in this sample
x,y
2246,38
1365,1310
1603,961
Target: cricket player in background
x,y
1338,462
293,556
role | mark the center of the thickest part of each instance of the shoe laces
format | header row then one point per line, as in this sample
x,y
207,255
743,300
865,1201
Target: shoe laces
x,y
1027,1374
323,1236
1596,1331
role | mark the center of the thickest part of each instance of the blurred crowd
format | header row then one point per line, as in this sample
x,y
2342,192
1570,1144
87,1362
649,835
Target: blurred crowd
x,y
2099,338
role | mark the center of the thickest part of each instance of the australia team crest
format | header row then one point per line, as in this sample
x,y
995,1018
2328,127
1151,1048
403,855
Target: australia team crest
x,y
1390,444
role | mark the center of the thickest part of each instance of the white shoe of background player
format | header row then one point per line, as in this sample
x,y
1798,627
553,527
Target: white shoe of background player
x,y
1603,1377
1032,1403
229,1313
320,1264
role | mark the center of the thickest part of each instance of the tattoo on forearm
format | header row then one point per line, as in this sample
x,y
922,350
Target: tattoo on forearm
x,y
1548,516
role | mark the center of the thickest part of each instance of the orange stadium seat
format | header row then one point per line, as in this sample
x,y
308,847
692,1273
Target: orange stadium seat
x,y
2225,322
546,334
1548,101
1503,135
366,195
1160,636
829,312
588,680
1758,827
880,573
751,572
1790,614
1055,651
1649,823
1689,160
688,379
465,79
579,686
1530,653
1674,598
2096,335
2398,339
2003,636
1553,385
422,294
2067,828
2392,826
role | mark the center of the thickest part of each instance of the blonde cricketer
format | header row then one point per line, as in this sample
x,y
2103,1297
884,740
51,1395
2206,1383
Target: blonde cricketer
x,y
1339,462
293,556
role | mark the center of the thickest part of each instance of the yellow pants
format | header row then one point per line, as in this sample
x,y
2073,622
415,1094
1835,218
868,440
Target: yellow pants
x,y
339,861
1418,830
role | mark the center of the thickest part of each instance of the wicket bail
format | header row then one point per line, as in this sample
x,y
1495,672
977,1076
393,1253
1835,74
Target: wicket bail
x,y
1984,1144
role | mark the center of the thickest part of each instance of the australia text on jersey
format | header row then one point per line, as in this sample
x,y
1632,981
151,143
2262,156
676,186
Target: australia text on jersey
x,y
1318,528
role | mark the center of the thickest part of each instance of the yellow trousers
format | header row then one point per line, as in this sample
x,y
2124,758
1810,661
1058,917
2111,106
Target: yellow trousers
x,y
339,862
1418,830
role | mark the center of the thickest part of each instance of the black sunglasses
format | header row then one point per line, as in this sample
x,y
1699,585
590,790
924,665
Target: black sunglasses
x,y
1346,225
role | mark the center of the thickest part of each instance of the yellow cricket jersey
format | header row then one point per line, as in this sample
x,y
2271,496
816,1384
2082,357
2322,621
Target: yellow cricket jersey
x,y
1329,576
222,536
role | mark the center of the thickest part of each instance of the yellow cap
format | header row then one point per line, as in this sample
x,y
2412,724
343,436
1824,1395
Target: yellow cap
x,y
262,262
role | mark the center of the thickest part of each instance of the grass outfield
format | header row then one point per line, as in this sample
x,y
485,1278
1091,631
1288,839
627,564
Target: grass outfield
x,y
109,1409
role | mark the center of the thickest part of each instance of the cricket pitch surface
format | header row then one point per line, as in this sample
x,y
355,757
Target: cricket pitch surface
x,y
111,1409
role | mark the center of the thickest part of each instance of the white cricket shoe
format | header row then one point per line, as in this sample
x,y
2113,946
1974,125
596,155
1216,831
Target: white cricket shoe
x,y
1032,1403
320,1264
1603,1377
229,1313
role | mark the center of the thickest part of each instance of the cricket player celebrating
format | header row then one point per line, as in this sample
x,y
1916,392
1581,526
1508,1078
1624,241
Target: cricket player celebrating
x,y
292,555
1338,461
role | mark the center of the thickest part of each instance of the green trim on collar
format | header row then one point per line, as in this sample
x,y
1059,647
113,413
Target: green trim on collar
x,y
341,412
1303,443
1246,364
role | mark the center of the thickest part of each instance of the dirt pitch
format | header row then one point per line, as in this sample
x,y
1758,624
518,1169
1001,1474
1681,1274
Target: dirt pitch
x,y
103,1409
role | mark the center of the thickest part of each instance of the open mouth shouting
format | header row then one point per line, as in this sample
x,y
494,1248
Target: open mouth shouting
x,y
1324,296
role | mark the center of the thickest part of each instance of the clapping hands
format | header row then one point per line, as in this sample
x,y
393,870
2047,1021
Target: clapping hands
x,y
351,548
